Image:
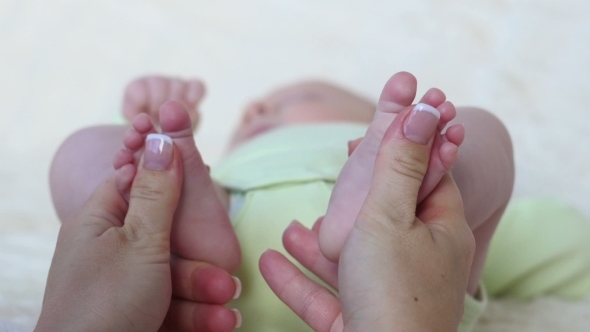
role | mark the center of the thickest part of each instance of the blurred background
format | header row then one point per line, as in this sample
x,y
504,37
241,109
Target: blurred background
x,y
64,65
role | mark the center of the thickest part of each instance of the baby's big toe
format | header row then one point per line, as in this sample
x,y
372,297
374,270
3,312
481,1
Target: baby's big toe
x,y
449,154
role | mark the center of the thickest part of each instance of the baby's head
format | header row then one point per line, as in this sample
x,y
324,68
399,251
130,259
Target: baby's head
x,y
302,103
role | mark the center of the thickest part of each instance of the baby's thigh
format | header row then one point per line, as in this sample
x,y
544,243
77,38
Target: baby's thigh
x,y
486,137
485,170
82,162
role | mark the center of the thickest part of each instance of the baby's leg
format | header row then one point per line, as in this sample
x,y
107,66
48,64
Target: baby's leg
x,y
354,180
202,229
82,162
485,177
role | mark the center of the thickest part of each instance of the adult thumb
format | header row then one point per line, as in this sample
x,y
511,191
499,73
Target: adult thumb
x,y
401,164
155,191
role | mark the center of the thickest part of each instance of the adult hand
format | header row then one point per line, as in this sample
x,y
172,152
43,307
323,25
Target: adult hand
x,y
112,269
403,267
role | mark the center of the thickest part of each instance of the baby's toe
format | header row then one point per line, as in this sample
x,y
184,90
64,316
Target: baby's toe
x,y
447,113
455,134
122,158
448,154
134,137
123,178
433,97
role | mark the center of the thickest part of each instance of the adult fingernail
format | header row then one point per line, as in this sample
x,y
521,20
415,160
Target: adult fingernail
x,y
158,152
238,317
421,123
238,287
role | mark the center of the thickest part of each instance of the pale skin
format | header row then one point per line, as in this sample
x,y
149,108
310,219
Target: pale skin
x,y
114,238
484,173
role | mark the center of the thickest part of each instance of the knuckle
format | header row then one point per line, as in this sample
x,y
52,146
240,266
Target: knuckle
x,y
384,220
131,231
146,192
307,305
385,210
144,235
409,165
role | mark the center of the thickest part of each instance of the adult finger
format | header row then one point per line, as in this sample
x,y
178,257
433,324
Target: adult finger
x,y
400,166
155,191
202,282
303,245
316,305
192,316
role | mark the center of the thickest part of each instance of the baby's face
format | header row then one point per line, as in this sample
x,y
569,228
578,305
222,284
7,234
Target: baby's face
x,y
303,103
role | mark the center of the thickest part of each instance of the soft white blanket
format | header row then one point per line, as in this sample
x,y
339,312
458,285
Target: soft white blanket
x,y
63,64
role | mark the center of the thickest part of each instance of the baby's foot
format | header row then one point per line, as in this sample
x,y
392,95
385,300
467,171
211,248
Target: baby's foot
x,y
354,181
147,94
201,229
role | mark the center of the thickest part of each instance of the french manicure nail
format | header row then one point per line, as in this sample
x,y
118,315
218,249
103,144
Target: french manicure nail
x,y
238,287
238,317
158,152
421,123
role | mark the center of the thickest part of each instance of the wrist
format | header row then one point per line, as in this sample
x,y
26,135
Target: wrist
x,y
413,316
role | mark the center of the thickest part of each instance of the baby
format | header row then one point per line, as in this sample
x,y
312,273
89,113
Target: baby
x,y
287,157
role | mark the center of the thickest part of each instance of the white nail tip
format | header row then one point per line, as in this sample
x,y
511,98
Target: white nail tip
x,y
238,288
425,107
159,137
238,318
